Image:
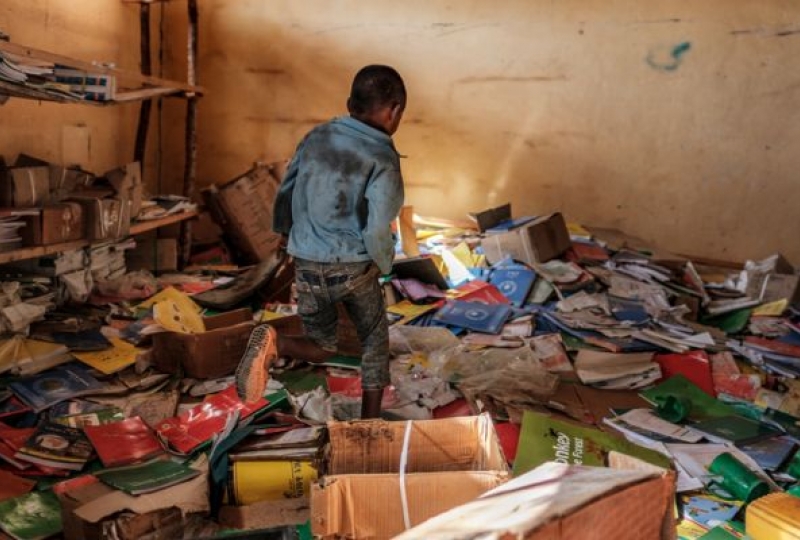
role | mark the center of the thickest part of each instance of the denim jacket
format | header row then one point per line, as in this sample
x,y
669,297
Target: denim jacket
x,y
341,193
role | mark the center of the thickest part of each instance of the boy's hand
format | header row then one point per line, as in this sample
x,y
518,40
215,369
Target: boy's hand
x,y
283,242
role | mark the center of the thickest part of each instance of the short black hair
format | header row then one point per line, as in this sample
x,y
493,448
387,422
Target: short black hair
x,y
376,86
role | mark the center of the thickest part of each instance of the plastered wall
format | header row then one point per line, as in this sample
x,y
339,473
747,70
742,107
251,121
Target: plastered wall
x,y
675,120
90,30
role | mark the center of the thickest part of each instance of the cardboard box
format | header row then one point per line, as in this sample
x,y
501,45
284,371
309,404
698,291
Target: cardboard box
x,y
243,208
486,219
449,461
214,353
563,502
153,254
127,182
29,186
55,224
266,514
538,241
106,218
779,286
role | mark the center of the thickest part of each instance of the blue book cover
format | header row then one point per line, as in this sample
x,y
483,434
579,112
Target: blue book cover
x,y
486,318
514,283
772,453
55,385
709,511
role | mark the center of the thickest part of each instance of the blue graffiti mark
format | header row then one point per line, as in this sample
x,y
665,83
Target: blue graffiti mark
x,y
666,58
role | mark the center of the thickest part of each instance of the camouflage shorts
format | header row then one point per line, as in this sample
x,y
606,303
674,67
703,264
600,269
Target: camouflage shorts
x,y
320,286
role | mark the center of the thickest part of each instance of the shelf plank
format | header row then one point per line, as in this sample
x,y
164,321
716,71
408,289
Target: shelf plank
x,y
145,226
24,254
30,52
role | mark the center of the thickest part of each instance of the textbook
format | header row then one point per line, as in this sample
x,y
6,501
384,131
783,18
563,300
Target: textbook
x,y
54,445
474,316
147,477
123,443
515,283
50,387
735,429
31,516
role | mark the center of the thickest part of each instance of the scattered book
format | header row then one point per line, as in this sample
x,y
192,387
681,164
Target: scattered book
x,y
514,283
616,371
53,386
57,446
12,485
195,427
694,365
708,510
771,454
701,406
474,316
154,475
735,429
32,516
123,443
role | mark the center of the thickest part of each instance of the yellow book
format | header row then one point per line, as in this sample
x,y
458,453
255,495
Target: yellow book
x,y
255,481
772,309
121,355
774,517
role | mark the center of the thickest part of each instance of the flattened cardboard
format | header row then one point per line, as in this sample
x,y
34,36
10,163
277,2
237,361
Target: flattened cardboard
x,y
243,208
539,241
211,354
370,505
563,502
266,514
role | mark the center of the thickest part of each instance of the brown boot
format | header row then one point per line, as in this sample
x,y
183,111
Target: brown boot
x,y
371,403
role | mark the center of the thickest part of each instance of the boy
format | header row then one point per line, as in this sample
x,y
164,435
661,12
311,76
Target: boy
x,y
340,194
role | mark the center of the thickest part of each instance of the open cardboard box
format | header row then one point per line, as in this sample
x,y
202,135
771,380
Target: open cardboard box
x,y
208,355
448,462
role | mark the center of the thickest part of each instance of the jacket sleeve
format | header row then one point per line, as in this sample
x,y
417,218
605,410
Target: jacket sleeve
x,y
282,210
384,195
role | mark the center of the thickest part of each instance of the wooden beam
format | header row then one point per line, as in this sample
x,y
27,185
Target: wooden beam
x,y
30,52
140,147
144,226
190,160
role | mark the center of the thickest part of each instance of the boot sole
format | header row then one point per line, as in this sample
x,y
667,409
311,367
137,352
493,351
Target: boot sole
x,y
252,374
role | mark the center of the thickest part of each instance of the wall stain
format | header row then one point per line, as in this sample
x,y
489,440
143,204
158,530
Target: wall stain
x,y
659,21
500,78
670,59
785,33
766,32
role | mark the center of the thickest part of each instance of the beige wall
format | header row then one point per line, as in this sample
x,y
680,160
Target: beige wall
x,y
575,106
101,30
551,105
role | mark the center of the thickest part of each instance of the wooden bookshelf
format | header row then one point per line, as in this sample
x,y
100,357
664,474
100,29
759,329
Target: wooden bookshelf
x,y
136,228
143,86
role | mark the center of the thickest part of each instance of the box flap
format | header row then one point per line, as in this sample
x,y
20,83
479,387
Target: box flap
x,y
450,444
370,505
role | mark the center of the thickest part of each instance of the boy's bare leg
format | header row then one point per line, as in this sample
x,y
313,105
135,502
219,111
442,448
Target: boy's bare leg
x,y
371,399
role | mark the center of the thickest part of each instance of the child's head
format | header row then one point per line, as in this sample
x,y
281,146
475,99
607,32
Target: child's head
x,y
378,97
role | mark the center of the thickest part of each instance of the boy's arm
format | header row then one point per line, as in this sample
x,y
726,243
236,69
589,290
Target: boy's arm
x,y
282,210
384,196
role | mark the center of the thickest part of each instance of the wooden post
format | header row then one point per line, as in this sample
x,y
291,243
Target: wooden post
x,y
190,163
144,110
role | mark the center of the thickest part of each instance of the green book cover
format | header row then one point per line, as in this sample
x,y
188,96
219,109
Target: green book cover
x,y
31,516
702,406
146,477
544,438
731,530
735,429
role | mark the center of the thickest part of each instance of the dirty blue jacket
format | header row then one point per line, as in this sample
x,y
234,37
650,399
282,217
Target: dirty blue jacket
x,y
341,192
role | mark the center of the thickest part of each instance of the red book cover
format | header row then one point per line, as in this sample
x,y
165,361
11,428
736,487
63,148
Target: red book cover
x,y
480,291
199,424
123,443
585,252
694,365
508,434
13,406
15,437
12,485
